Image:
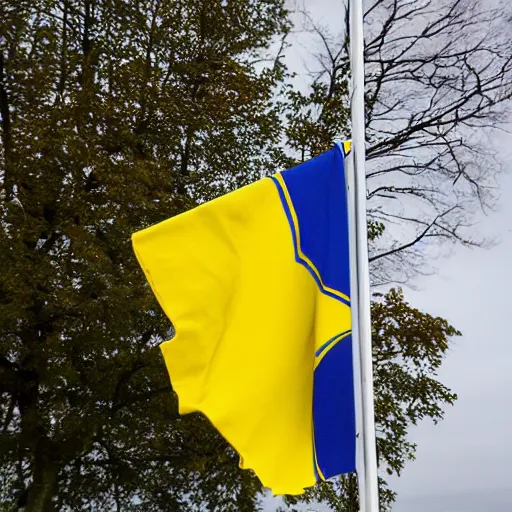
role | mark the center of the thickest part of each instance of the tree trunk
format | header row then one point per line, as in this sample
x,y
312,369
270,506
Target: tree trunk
x,y
44,486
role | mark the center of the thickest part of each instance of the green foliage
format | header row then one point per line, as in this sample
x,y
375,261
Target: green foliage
x,y
115,115
375,229
318,117
409,347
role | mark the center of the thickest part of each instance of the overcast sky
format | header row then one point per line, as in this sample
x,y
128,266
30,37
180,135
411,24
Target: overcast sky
x,y
463,463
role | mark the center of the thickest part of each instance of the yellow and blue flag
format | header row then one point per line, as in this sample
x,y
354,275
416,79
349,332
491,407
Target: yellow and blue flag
x,y
256,284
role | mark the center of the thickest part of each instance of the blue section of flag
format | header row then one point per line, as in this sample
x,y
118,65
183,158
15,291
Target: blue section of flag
x,y
329,342
334,412
318,192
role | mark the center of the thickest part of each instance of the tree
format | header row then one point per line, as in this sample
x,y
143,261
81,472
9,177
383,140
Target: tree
x,y
113,116
438,81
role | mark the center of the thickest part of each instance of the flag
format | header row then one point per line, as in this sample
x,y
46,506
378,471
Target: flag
x,y
256,284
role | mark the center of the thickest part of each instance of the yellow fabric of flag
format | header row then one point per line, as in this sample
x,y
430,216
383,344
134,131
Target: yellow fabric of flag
x,y
256,316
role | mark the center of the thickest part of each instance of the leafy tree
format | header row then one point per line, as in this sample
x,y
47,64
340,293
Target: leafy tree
x,y
114,115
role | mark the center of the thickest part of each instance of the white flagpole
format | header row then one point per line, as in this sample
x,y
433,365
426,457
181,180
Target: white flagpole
x,y
356,353
367,475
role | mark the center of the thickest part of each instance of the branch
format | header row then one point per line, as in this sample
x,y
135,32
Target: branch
x,y
141,398
412,242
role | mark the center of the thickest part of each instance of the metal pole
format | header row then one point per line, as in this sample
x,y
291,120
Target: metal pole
x,y
356,352
369,490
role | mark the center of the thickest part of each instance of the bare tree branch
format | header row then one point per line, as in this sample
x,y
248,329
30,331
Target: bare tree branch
x,y
438,82
423,234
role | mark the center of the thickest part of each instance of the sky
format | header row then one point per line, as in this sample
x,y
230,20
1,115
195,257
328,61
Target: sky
x,y
463,463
